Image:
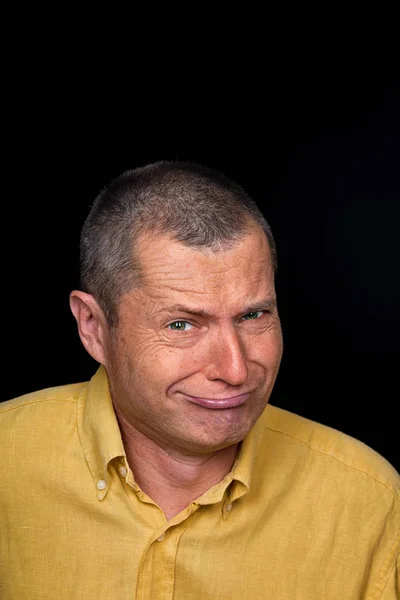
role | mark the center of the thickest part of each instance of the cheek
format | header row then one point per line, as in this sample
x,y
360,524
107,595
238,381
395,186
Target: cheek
x,y
161,366
267,349
136,348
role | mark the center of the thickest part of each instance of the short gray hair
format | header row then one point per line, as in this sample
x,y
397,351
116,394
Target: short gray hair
x,y
194,204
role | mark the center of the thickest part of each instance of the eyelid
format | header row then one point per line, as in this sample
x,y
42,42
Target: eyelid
x,y
178,321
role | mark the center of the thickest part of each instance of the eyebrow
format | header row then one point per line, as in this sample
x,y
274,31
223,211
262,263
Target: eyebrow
x,y
255,306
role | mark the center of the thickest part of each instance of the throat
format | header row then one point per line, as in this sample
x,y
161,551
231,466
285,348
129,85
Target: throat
x,y
173,481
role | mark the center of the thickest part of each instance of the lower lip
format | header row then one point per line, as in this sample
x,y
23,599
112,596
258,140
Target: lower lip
x,y
219,404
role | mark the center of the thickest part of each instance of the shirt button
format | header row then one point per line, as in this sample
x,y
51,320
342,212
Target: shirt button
x,y
160,539
101,484
229,506
123,471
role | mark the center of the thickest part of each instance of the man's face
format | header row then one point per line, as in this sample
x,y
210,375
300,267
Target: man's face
x,y
198,346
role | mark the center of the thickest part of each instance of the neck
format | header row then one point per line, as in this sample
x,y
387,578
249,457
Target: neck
x,y
169,477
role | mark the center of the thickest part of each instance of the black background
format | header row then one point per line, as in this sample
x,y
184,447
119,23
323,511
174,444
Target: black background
x,y
318,148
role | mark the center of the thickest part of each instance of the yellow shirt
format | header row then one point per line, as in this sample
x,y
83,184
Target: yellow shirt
x,y
307,513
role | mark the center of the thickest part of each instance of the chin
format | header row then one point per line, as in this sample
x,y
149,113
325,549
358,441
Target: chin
x,y
218,441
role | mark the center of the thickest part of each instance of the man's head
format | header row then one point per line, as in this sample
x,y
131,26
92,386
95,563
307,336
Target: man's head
x,y
179,304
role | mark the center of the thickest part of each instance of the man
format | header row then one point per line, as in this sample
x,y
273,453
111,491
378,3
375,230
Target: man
x,y
167,475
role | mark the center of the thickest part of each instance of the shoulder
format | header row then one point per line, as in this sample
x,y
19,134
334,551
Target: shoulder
x,y
352,458
39,440
343,495
44,410
59,394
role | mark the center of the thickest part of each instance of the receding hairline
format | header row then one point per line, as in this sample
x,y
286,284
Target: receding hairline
x,y
149,232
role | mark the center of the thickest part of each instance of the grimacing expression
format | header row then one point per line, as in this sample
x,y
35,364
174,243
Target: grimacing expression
x,y
197,348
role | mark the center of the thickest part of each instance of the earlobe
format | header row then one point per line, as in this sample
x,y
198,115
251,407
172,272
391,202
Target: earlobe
x,y
92,327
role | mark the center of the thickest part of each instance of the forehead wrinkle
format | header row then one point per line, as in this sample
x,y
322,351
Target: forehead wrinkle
x,y
162,291
212,277
182,273
152,299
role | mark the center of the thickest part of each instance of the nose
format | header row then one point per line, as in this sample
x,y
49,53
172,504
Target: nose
x,y
227,357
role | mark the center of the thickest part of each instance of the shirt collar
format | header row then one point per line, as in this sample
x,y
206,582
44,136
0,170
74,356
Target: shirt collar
x,y
98,428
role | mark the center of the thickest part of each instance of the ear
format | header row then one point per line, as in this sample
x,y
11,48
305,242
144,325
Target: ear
x,y
92,325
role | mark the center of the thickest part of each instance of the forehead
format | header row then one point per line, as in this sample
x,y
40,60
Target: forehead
x,y
172,272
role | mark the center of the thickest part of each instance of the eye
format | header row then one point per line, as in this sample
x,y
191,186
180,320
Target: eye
x,y
179,326
252,316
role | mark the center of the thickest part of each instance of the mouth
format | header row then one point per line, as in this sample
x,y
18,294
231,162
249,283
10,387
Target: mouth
x,y
218,403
